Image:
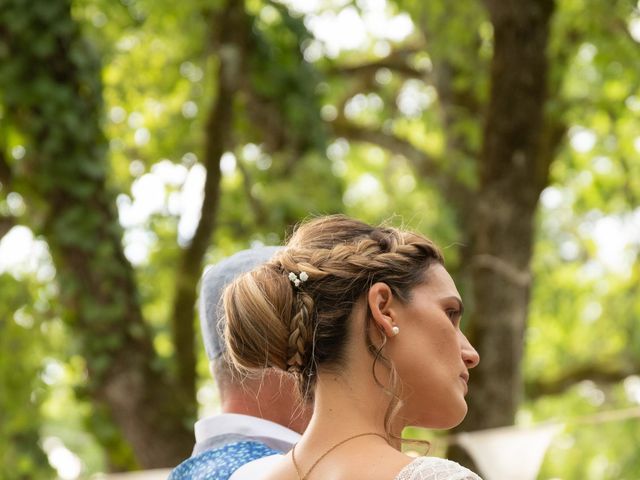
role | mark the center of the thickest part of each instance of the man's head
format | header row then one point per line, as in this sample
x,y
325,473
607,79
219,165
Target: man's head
x,y
271,396
214,281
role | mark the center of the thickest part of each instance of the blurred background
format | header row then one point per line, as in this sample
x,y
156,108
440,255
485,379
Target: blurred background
x,y
141,140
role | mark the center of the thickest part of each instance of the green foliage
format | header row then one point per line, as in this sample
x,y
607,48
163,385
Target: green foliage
x,y
282,78
590,446
53,96
585,305
159,74
60,119
22,348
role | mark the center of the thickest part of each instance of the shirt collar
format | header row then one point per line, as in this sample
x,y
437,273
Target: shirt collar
x,y
244,425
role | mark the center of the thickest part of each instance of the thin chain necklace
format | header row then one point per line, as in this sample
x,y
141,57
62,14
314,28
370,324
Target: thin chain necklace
x,y
306,475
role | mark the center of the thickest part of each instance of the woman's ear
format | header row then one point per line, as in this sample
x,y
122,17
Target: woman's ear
x,y
381,304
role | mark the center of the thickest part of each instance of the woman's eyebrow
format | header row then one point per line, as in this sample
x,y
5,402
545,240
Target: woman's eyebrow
x,y
456,299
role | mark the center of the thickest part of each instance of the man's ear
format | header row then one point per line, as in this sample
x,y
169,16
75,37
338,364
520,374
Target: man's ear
x,y
382,306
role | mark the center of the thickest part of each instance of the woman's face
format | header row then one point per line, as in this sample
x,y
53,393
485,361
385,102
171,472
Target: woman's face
x,y
431,354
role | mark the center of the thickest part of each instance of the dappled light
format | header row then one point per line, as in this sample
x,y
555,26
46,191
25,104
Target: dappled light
x,y
142,140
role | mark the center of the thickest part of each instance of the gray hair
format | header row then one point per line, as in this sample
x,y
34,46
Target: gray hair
x,y
214,281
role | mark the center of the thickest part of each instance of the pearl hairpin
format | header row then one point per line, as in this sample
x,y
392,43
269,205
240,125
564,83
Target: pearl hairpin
x,y
298,279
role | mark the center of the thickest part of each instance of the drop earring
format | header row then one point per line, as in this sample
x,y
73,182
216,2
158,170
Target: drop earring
x,y
395,330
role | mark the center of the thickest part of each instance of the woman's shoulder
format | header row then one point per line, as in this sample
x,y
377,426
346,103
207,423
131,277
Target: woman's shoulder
x,y
256,468
434,468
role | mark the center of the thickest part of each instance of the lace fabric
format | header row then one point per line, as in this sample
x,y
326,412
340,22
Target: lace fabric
x,y
433,468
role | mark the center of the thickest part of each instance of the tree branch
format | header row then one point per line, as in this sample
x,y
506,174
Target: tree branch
x,y
630,193
6,175
418,158
6,224
596,373
234,33
266,116
259,215
397,61
426,166
551,137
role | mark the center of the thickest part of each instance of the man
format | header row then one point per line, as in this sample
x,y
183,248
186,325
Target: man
x,y
260,416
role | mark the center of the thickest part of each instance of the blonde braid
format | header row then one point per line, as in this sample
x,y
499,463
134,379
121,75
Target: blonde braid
x,y
300,336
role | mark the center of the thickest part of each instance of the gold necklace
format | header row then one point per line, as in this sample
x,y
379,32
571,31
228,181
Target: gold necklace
x,y
306,475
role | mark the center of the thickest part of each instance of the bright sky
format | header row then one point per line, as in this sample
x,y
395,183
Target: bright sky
x,y
338,26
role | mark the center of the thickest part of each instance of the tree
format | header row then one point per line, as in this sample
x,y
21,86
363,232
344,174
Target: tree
x,y
53,99
459,126
52,95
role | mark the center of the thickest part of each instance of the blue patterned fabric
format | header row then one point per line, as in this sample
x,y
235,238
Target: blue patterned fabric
x,y
220,463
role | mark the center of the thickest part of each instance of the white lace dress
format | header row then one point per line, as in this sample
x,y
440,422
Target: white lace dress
x,y
433,468
423,468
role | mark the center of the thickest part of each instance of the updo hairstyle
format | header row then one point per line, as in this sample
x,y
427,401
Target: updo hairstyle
x,y
271,323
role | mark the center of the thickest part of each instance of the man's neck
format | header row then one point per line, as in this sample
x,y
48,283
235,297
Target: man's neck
x,y
269,404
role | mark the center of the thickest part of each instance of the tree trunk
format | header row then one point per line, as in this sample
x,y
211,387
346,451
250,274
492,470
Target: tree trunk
x,y
233,29
512,175
53,97
6,222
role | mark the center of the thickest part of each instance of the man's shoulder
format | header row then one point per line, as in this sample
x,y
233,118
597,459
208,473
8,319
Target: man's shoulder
x,y
219,463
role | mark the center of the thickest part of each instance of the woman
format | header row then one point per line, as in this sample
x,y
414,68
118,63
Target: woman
x,y
368,320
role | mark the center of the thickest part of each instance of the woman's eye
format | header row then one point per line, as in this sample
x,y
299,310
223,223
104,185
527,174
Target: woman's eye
x,y
454,315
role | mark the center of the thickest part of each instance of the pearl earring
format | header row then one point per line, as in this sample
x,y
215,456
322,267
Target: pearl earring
x,y
395,330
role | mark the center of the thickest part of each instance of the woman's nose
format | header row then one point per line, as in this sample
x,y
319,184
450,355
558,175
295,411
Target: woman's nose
x,y
470,356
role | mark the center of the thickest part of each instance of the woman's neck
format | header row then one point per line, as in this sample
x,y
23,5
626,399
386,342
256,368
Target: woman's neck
x,y
343,408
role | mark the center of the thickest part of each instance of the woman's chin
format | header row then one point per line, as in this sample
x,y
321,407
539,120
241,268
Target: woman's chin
x,y
456,417
443,422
